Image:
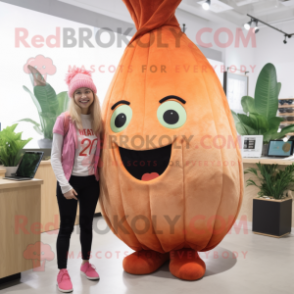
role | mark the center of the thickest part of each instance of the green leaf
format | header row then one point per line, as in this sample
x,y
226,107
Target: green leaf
x,y
37,104
260,122
273,182
247,103
38,130
36,76
47,104
262,109
29,120
243,118
283,133
235,116
239,125
274,124
47,99
267,137
62,102
36,125
266,92
241,129
244,124
48,121
11,145
279,86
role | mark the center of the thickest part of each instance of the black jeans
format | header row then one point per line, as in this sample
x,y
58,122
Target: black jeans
x,y
88,193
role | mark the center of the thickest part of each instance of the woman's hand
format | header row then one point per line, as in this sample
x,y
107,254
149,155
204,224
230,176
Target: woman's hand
x,y
71,194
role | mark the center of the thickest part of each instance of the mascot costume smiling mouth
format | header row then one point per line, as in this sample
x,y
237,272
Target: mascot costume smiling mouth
x,y
171,171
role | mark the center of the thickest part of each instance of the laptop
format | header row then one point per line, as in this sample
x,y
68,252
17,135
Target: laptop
x,y
27,167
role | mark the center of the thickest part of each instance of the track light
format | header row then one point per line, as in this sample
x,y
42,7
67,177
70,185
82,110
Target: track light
x,y
287,36
247,25
206,5
256,29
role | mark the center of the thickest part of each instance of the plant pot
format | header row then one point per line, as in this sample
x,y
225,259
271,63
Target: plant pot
x,y
264,150
272,217
45,143
10,170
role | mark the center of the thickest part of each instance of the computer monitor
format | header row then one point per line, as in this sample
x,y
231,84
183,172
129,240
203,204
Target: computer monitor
x,y
29,164
279,148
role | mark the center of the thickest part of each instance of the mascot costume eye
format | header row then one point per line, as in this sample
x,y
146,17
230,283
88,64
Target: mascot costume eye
x,y
171,171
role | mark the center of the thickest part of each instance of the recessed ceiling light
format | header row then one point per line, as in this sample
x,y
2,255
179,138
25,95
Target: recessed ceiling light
x,y
206,5
246,2
215,6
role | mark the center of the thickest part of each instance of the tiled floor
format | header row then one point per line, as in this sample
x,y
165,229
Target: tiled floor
x,y
264,265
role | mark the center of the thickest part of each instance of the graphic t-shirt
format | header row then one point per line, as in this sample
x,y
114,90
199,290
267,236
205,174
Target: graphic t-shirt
x,y
85,153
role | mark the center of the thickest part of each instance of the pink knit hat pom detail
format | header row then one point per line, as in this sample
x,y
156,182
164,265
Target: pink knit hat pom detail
x,y
74,71
78,78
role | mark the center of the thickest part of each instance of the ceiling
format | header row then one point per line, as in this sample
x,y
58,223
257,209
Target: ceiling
x,y
275,12
279,13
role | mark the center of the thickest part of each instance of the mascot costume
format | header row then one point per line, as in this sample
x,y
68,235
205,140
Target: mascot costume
x,y
171,171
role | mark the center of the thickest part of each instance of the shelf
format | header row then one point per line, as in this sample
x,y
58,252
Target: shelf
x,y
7,184
286,106
267,160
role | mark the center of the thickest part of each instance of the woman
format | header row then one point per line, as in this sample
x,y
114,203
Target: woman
x,y
74,158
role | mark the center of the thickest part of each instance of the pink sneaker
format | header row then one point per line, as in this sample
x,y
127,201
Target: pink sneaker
x,y
63,281
89,271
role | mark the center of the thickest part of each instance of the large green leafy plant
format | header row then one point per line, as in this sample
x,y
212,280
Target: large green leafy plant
x,y
260,117
11,145
273,182
48,104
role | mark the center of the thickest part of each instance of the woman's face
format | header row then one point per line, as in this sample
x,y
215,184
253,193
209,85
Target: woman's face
x,y
83,97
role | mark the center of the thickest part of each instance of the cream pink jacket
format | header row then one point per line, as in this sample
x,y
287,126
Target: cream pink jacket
x,y
70,143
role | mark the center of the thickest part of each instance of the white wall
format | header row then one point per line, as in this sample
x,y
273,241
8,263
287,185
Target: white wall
x,y
272,49
241,57
15,103
269,49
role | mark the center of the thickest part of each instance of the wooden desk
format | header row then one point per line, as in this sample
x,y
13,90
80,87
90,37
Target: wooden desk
x,y
251,191
2,171
50,219
20,212
267,160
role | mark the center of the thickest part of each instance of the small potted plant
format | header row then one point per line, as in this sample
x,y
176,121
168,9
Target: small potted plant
x,y
272,209
11,145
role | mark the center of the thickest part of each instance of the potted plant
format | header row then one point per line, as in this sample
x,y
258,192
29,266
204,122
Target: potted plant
x,y
11,145
48,104
272,209
260,112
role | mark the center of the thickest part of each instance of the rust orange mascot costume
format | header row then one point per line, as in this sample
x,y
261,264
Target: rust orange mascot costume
x,y
171,173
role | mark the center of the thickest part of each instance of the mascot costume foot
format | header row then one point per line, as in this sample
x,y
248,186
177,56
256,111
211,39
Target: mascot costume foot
x,y
186,264
144,262
171,173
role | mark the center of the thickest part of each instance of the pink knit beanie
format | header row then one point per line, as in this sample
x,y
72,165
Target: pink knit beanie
x,y
77,78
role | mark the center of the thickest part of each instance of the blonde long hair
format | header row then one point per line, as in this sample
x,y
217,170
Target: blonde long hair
x,y
95,112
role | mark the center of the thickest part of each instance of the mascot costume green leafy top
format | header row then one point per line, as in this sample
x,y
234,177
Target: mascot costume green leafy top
x,y
171,171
